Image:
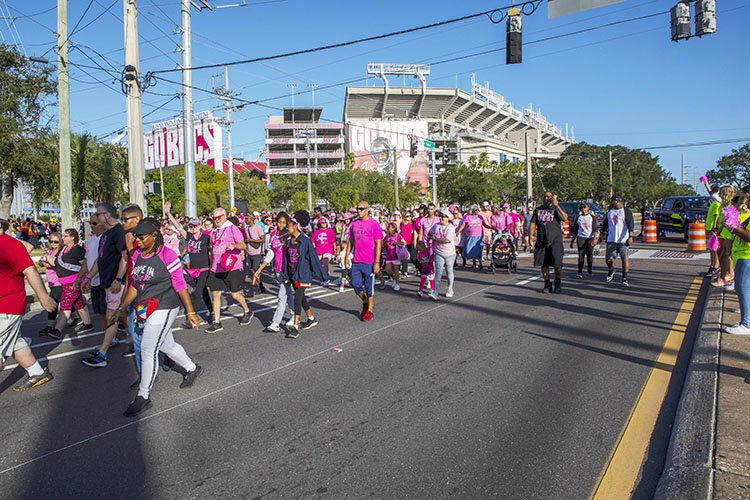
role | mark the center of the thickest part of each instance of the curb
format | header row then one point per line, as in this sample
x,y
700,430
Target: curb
x,y
688,470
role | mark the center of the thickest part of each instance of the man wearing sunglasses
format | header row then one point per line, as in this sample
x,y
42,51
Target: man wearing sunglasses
x,y
227,269
366,240
98,299
112,266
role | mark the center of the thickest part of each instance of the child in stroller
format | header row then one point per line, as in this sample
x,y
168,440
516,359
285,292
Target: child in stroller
x,y
504,252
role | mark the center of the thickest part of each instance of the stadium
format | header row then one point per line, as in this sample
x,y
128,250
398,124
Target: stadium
x,y
379,119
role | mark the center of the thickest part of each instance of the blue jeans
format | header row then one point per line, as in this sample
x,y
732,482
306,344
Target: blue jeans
x,y
286,298
447,263
742,288
136,334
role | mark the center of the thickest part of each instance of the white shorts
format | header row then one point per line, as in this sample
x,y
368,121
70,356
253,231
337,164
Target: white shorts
x,y
10,342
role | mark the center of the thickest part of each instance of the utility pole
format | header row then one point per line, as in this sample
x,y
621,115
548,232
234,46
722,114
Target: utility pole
x,y
611,182
395,180
434,177
529,188
63,97
309,174
136,168
188,147
228,119
682,168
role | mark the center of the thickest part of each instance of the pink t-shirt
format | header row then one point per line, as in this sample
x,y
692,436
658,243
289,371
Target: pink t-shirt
x,y
49,272
500,222
364,235
390,242
254,232
426,224
221,238
473,225
323,240
277,243
441,231
407,232
426,261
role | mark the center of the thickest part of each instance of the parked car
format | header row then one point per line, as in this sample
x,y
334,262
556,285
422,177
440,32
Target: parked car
x,y
675,213
573,209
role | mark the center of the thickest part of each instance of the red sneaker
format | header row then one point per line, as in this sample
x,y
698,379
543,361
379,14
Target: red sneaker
x,y
367,316
364,310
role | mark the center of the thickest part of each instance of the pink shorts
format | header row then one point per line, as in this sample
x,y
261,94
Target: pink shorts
x,y
72,297
114,299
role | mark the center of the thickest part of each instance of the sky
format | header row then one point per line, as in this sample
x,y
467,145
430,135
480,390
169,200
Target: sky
x,y
625,84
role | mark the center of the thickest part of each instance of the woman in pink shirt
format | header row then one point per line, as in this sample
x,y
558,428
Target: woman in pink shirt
x,y
324,240
472,228
407,233
47,261
392,241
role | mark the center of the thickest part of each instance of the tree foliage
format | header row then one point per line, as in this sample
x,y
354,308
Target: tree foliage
x,y
25,91
732,169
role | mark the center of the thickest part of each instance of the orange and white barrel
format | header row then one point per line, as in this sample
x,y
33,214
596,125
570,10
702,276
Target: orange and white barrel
x,y
697,237
566,229
649,231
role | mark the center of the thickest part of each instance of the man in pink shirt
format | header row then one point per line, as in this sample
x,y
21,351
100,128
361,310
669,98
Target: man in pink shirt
x,y
366,239
227,270
427,222
486,213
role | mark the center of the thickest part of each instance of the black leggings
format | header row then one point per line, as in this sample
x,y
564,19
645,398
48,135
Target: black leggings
x,y
300,301
585,252
201,292
56,293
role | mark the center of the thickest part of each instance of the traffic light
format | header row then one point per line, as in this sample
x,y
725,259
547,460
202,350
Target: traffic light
x,y
680,21
448,158
413,148
513,45
445,156
153,188
705,17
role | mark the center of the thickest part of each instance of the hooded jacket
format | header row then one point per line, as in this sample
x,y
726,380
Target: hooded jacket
x,y
301,267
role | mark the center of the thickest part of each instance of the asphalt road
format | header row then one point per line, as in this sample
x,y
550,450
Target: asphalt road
x,y
500,392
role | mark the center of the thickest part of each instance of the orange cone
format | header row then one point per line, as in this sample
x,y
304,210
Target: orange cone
x,y
649,231
697,237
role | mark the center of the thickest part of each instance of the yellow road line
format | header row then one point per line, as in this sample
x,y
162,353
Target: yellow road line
x,y
621,473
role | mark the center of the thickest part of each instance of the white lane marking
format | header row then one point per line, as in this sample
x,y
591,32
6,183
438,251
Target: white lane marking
x,y
528,280
174,329
242,382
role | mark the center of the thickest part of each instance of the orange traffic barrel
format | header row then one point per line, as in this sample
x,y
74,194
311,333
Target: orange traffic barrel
x,y
697,237
566,229
649,231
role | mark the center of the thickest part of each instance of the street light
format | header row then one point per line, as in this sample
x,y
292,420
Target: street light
x,y
37,59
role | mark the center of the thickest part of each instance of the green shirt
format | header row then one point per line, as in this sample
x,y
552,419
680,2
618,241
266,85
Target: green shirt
x,y
740,247
713,213
720,223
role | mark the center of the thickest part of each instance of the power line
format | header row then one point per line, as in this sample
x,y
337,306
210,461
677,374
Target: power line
x,y
696,144
86,11
532,4
105,11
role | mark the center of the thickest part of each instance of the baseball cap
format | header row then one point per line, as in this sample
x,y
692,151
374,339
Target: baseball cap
x,y
506,205
194,221
485,203
149,225
445,211
616,197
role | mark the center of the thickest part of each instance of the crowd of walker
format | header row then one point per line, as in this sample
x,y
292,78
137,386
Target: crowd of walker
x,y
140,271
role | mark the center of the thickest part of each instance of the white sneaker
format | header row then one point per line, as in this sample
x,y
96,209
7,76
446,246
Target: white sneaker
x,y
396,287
290,323
420,293
729,286
342,285
449,293
738,329
434,296
273,327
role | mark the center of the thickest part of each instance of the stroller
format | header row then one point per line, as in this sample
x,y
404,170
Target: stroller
x,y
504,253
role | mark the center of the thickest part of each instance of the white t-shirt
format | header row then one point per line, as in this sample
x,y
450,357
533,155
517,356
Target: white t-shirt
x,y
92,254
617,231
585,226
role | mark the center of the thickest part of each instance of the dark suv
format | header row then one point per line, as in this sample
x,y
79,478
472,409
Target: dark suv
x,y
676,213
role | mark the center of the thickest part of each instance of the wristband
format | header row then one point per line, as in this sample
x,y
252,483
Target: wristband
x,y
192,313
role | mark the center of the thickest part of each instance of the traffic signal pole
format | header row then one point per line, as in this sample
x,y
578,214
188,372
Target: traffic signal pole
x,y
63,98
136,168
395,180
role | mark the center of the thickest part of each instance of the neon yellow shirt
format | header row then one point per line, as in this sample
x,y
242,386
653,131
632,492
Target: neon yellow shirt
x,y
713,213
740,247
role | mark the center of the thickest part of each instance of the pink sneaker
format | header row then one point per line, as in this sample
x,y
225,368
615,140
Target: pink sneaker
x,y
718,282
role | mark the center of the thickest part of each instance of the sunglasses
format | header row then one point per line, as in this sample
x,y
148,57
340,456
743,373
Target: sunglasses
x,y
361,208
142,236
192,226
56,242
218,217
125,219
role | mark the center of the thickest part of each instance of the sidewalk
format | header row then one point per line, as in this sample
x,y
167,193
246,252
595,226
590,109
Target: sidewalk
x,y
709,450
732,441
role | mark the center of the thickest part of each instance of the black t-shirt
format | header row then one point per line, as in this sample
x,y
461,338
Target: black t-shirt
x,y
152,278
548,230
111,245
198,250
68,262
